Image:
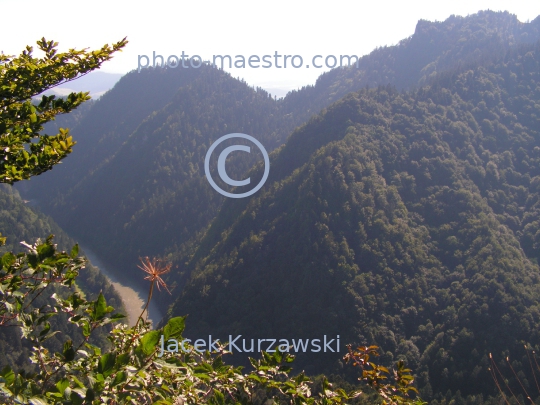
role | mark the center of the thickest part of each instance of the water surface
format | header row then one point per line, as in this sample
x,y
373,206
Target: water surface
x,y
133,296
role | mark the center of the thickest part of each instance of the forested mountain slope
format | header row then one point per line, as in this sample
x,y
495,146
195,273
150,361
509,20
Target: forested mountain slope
x,y
21,223
433,48
155,184
403,219
137,173
101,131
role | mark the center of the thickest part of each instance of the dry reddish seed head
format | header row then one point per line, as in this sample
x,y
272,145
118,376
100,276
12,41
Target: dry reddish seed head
x,y
155,268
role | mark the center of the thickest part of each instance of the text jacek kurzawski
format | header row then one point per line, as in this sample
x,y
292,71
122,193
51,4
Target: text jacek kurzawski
x,y
236,344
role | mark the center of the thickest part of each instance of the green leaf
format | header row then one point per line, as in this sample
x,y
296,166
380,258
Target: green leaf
x,y
32,260
74,251
45,330
100,308
278,356
45,250
8,259
106,364
7,375
116,317
149,342
86,328
120,377
174,328
62,385
68,352
122,360
76,381
219,398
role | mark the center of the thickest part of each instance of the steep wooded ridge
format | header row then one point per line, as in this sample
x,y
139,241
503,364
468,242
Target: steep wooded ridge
x,y
407,219
433,48
21,223
403,219
139,163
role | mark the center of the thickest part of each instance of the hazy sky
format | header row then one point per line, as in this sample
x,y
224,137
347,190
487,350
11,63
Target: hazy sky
x,y
205,28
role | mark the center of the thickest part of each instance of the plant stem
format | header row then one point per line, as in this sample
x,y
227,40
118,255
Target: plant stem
x,y
147,303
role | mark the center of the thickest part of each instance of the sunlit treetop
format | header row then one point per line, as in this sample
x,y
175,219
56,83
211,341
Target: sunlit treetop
x,y
23,151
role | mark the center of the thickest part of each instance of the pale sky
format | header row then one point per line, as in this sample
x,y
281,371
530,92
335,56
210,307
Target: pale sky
x,y
206,28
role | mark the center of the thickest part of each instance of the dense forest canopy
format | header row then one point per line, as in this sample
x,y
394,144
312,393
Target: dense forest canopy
x,y
403,210
407,219
145,140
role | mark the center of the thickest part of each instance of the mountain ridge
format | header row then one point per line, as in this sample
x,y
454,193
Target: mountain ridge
x,y
293,111
405,218
389,225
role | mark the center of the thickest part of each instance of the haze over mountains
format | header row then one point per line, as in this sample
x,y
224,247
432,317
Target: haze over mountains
x,y
96,83
402,207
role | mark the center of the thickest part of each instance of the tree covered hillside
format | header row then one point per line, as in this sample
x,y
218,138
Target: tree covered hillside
x,y
407,220
102,126
404,215
155,184
137,171
433,48
21,223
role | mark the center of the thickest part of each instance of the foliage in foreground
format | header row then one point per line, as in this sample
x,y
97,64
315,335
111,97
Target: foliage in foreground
x,y
24,77
514,387
133,371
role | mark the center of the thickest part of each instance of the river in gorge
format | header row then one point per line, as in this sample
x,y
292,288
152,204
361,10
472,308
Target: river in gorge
x,y
133,296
